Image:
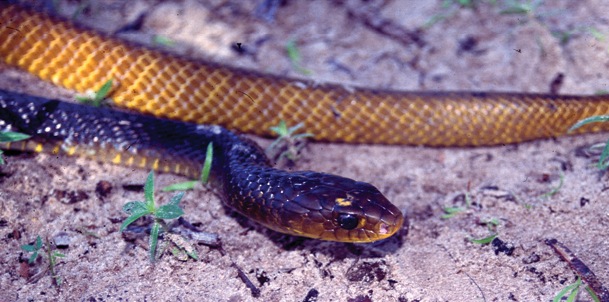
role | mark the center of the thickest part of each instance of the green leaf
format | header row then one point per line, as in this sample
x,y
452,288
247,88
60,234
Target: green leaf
x,y
28,248
149,192
573,295
103,92
555,190
154,239
98,97
192,255
485,240
519,10
9,136
601,92
588,120
136,209
452,211
175,200
294,56
302,135
209,154
566,290
592,294
602,164
130,220
598,35
162,40
181,186
179,254
602,160
281,129
168,211
33,257
38,242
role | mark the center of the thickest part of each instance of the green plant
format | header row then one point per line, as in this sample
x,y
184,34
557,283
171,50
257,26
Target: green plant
x,y
138,209
462,3
288,144
163,41
450,212
33,248
295,59
554,190
7,137
189,185
52,255
602,164
98,98
485,240
572,290
521,7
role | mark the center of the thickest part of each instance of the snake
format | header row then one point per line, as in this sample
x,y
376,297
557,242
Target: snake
x,y
176,96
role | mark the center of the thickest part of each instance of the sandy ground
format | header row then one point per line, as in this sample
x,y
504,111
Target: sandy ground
x,y
422,45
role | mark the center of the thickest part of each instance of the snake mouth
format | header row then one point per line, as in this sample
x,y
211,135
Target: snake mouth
x,y
383,228
386,230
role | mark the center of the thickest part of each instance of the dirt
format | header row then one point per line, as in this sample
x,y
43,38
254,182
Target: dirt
x,y
409,45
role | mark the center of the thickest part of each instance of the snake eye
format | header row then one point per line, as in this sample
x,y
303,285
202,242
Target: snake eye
x,y
347,221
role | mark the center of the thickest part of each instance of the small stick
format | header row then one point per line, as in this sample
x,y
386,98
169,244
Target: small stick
x,y
255,291
580,269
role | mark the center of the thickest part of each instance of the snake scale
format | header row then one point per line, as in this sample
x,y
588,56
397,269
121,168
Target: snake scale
x,y
307,204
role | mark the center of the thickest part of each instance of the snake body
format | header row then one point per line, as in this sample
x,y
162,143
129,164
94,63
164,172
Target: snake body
x,y
303,203
161,84
310,204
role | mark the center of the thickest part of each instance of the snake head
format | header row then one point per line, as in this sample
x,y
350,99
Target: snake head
x,y
310,204
335,208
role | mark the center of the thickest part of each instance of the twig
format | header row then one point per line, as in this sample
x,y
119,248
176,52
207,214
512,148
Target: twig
x,y
580,268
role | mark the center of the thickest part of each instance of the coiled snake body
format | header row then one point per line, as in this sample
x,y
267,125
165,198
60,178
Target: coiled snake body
x,y
305,203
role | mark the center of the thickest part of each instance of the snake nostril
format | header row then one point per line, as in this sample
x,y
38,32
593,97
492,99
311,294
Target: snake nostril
x,y
347,221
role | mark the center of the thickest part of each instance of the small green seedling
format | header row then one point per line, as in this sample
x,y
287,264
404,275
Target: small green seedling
x,y
287,145
183,249
7,137
485,240
462,3
597,34
295,59
520,8
52,255
571,292
205,171
450,212
491,225
138,209
554,190
163,41
603,163
601,92
99,98
33,248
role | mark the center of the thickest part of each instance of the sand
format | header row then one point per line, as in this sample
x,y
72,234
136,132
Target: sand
x,y
409,45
